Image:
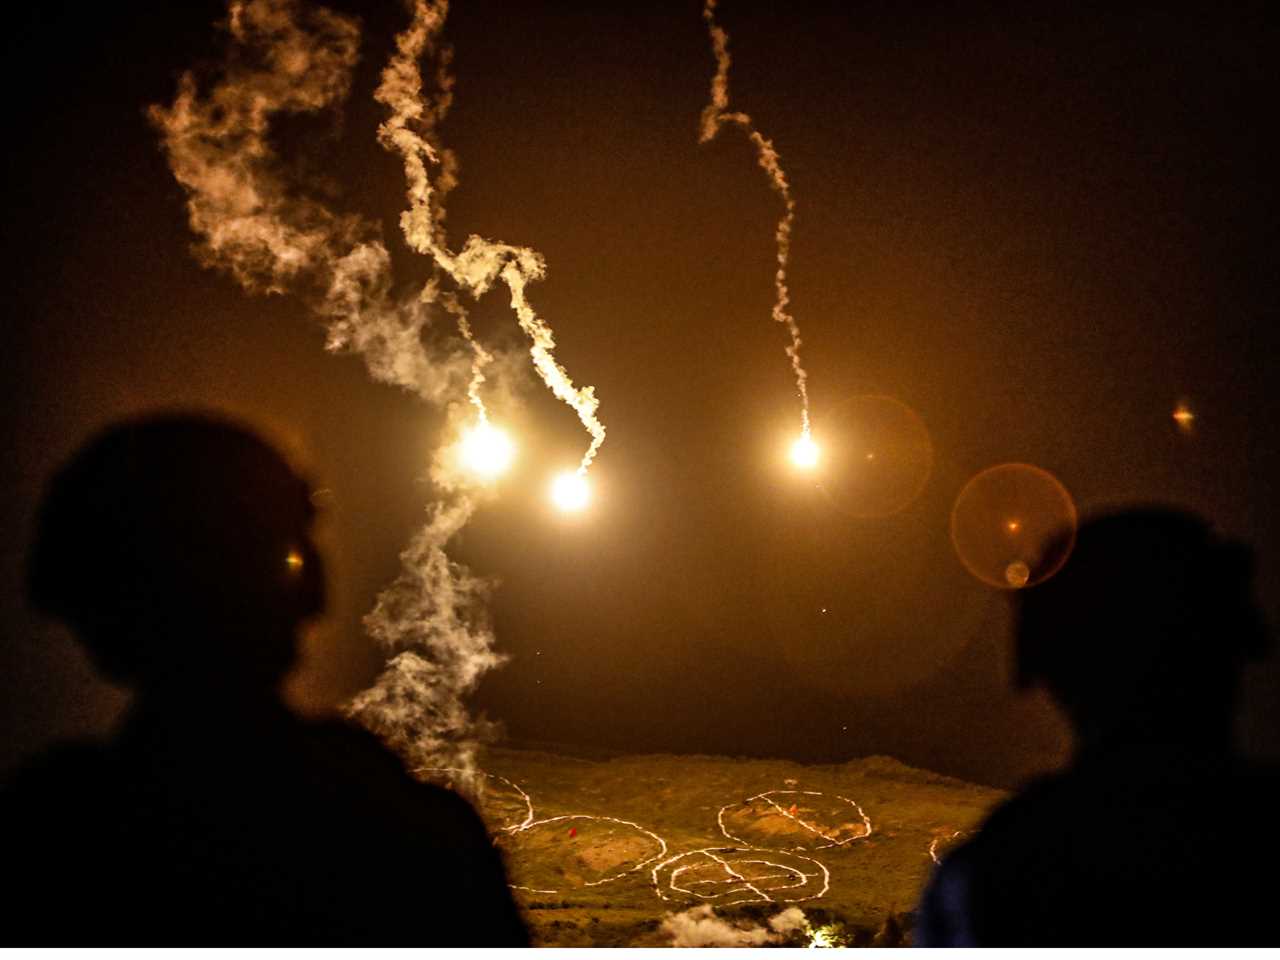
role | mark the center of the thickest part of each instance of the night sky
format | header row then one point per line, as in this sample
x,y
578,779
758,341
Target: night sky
x,y
1041,231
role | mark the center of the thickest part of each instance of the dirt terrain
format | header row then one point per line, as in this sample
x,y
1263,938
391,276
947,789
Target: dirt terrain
x,y
601,852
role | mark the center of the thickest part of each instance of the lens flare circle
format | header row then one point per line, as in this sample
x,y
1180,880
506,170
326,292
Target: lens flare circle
x,y
486,450
877,456
805,453
1007,523
570,491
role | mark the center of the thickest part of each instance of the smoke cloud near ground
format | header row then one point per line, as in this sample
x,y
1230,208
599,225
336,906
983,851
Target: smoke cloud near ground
x,y
700,927
254,222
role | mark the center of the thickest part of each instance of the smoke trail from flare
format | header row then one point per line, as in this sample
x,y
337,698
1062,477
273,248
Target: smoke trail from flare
x,y
481,261
432,618
716,114
251,220
255,224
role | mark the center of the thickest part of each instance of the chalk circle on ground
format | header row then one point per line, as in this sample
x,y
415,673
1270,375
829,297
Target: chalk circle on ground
x,y
1013,525
577,850
727,876
794,820
503,804
945,842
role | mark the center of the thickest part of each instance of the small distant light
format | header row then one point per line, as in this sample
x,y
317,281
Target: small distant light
x,y
1184,418
1013,526
824,609
293,560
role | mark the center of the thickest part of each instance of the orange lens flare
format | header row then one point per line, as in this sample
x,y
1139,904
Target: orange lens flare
x,y
1013,525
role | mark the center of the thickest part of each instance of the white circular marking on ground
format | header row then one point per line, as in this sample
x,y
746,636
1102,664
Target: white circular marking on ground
x,y
747,874
528,803
947,840
662,848
818,834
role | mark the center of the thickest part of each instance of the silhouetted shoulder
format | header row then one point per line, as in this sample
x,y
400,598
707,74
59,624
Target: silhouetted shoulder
x,y
429,826
47,818
1104,859
61,782
72,759
955,910
313,834
352,753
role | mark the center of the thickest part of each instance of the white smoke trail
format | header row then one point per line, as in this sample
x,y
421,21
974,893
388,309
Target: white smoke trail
x,y
432,617
481,261
714,115
260,228
251,221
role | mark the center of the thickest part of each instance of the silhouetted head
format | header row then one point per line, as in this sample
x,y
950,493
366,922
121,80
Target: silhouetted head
x,y
1145,630
178,550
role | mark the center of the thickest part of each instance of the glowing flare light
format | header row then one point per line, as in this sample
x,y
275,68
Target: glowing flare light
x,y
486,451
570,491
805,453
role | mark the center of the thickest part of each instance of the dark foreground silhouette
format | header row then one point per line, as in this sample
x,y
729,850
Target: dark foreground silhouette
x,y
1157,834
178,550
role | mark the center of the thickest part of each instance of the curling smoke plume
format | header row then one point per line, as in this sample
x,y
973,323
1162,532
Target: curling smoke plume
x,y
700,927
714,116
480,262
251,221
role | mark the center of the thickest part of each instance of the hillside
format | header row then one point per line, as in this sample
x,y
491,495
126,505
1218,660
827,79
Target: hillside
x,y
602,852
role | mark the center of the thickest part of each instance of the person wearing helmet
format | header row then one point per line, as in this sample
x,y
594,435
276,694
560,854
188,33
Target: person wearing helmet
x,y
177,548
1152,835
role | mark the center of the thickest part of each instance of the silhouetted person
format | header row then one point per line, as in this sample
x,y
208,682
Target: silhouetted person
x,y
1156,834
178,551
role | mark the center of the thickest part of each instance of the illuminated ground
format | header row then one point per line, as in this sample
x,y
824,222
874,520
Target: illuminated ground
x,y
611,847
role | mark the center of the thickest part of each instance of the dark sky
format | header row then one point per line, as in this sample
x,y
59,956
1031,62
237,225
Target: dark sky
x,y
1039,230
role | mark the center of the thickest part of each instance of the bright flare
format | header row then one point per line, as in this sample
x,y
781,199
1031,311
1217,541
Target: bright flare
x,y
804,452
570,492
486,450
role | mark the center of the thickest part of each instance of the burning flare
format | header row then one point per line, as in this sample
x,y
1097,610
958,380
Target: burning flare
x,y
289,59
570,491
480,262
486,450
805,454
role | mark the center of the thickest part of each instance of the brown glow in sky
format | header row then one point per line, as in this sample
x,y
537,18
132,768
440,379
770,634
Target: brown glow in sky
x,y
1034,229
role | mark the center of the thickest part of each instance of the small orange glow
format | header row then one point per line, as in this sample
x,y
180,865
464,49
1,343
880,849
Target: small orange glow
x,y
1013,526
293,560
1184,418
